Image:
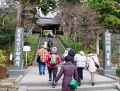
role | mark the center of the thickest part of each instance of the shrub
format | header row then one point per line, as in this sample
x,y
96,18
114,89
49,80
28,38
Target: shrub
x,y
118,72
31,41
2,58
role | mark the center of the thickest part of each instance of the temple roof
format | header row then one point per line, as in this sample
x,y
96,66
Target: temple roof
x,y
47,21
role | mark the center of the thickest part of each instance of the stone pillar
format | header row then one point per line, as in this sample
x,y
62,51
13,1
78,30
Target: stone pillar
x,y
41,31
107,55
18,49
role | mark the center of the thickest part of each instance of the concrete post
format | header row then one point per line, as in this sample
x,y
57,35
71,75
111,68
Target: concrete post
x,y
18,49
107,55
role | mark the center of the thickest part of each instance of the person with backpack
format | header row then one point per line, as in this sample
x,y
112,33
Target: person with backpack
x,y
52,61
49,44
42,53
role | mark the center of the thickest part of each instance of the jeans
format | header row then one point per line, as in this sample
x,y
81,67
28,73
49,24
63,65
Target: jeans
x,y
42,66
54,71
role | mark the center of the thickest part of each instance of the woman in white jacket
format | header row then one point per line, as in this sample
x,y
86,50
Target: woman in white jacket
x,y
80,60
91,65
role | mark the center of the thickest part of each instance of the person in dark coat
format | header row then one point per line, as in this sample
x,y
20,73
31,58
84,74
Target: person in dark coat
x,y
72,54
49,44
69,70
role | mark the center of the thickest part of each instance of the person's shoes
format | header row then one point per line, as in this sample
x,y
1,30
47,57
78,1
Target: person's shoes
x,y
53,85
93,84
50,79
79,84
43,73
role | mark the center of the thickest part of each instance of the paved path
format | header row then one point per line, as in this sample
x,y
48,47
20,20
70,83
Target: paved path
x,y
33,76
32,80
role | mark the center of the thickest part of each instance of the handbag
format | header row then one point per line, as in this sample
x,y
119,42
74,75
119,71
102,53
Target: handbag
x,y
38,59
73,83
96,64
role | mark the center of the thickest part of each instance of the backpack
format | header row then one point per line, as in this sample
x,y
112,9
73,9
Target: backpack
x,y
53,60
49,43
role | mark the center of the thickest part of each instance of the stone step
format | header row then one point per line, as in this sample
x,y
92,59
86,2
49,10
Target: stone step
x,y
56,43
8,89
59,83
96,87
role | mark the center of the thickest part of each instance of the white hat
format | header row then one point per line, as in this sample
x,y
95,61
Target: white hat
x,y
81,53
42,46
54,50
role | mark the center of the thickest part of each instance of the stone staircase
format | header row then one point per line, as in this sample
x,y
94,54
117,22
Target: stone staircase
x,y
86,86
56,43
32,81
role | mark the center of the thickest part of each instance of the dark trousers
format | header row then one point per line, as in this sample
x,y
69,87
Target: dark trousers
x,y
80,74
54,71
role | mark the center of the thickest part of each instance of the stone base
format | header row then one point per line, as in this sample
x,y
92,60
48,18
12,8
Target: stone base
x,y
16,73
34,63
109,72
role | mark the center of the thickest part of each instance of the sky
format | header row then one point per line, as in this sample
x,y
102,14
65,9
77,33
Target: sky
x,y
49,15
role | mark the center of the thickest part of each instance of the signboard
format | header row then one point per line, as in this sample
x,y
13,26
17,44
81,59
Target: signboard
x,y
10,56
26,48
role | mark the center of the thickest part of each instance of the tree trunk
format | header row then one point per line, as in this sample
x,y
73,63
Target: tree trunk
x,y
19,15
97,42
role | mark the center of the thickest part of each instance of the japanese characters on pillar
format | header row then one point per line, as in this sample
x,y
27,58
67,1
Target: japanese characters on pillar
x,y
107,51
18,49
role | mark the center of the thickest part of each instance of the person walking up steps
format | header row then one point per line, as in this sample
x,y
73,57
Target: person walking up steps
x,y
42,64
80,60
92,58
72,54
52,61
69,70
45,44
49,44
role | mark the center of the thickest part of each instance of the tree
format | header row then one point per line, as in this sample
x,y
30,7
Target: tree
x,y
77,20
108,13
27,12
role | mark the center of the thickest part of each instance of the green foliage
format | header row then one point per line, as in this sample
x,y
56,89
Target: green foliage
x,y
103,6
110,21
67,42
118,72
106,7
47,5
7,36
116,13
31,41
2,58
109,14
